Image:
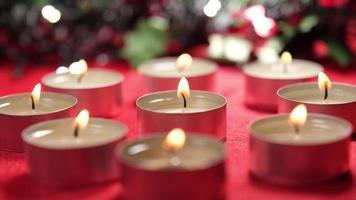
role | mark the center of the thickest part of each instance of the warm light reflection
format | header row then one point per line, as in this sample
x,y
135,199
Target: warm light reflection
x,y
324,82
82,119
255,12
264,26
298,117
286,57
216,45
212,8
184,61
183,88
51,14
36,93
62,70
79,67
174,140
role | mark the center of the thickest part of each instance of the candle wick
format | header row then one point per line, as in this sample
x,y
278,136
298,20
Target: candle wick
x,y
184,101
296,129
285,68
180,69
80,78
33,103
326,93
174,160
76,130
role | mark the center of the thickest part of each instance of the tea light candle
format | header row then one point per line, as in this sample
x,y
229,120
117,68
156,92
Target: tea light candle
x,y
285,152
99,91
164,73
263,80
195,163
72,152
336,99
18,111
197,111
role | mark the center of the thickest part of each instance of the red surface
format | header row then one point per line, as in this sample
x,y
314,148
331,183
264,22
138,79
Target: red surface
x,y
15,183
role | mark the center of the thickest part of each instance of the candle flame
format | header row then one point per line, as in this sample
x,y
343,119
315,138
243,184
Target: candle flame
x,y
79,67
183,88
62,70
324,82
36,93
286,58
298,116
184,61
82,119
174,140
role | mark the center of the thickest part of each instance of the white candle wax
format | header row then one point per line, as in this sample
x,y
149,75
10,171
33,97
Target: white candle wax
x,y
59,134
92,79
167,68
168,102
197,153
297,69
20,104
309,93
318,129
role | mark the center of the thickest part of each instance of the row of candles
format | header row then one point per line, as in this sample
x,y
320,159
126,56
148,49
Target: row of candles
x,y
285,149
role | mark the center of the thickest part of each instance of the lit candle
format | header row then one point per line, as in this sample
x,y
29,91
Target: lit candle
x,y
320,97
286,59
183,90
297,118
299,149
97,90
194,162
184,61
18,111
79,68
35,96
165,73
198,111
263,80
56,149
324,84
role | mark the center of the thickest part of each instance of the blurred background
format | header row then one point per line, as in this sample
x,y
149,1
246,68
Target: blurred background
x,y
234,31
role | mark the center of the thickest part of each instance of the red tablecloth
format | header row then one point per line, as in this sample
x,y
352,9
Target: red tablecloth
x,y
15,183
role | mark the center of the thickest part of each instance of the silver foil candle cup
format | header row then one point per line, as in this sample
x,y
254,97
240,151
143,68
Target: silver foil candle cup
x,y
341,101
162,111
58,159
263,80
194,172
163,74
99,91
319,152
16,114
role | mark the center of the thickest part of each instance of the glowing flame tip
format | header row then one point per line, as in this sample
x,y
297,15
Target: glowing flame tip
x,y
36,93
286,57
184,61
82,119
323,81
298,116
175,139
79,67
183,88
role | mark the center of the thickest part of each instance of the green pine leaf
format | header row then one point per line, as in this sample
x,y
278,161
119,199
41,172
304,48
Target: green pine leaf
x,y
339,52
308,23
147,41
